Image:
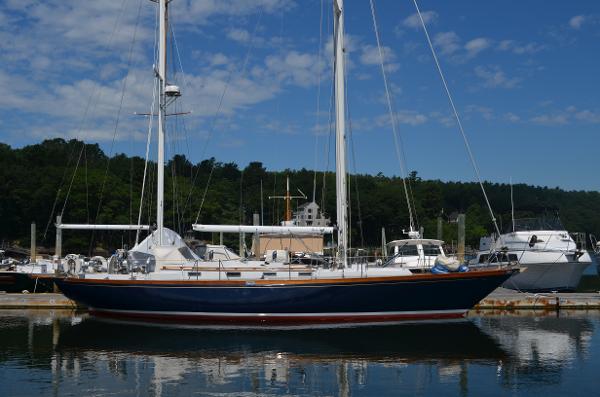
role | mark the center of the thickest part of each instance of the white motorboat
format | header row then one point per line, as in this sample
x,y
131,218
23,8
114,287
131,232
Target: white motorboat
x,y
415,254
548,257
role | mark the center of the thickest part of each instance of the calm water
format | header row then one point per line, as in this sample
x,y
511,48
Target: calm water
x,y
64,353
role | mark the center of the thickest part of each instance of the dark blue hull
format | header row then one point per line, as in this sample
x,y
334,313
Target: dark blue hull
x,y
322,301
11,281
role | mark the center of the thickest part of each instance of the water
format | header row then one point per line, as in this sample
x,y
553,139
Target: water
x,y
54,353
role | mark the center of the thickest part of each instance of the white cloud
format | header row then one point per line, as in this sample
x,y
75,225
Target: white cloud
x,y
569,115
577,21
513,118
445,119
447,42
414,22
450,44
404,116
240,35
410,117
301,69
494,77
200,12
550,119
520,49
370,56
485,112
477,45
588,116
219,59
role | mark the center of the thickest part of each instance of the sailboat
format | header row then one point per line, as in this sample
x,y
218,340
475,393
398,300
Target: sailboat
x,y
172,283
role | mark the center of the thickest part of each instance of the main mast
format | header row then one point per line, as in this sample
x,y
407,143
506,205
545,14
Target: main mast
x,y
162,78
340,133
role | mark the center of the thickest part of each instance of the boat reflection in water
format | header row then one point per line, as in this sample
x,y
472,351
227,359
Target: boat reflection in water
x,y
540,347
67,353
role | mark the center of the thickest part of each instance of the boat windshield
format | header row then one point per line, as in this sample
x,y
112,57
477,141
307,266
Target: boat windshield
x,y
540,223
431,250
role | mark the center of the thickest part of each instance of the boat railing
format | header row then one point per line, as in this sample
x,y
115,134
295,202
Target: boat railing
x,y
515,256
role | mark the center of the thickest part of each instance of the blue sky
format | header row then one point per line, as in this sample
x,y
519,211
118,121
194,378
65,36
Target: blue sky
x,y
524,76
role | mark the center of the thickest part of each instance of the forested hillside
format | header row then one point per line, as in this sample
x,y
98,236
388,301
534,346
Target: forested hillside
x,y
39,182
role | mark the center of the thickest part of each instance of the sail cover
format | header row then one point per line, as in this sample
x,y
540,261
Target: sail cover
x,y
173,251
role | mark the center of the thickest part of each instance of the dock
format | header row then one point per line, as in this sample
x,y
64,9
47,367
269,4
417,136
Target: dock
x,y
36,301
507,299
500,299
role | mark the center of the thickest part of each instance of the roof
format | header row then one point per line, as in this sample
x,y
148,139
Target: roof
x,y
414,241
304,205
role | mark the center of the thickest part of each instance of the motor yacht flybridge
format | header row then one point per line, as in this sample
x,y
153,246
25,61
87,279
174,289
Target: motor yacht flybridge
x,y
170,282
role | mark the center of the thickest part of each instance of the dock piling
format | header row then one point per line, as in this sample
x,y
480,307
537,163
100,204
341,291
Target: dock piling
x,y
461,237
32,251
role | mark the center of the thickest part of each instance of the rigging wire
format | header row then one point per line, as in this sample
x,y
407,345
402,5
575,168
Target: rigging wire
x,y
328,146
148,140
393,118
330,115
457,117
409,182
85,117
155,88
318,114
118,119
356,188
218,111
275,202
183,124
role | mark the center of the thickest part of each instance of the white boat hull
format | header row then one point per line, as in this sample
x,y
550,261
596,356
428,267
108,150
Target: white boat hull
x,y
548,276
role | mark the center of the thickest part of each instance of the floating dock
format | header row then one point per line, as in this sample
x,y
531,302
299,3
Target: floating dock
x,y
500,299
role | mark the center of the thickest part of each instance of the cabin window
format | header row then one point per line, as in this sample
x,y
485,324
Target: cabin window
x,y
234,274
431,250
408,250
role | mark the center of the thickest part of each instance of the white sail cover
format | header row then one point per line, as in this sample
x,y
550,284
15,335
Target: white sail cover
x,y
173,250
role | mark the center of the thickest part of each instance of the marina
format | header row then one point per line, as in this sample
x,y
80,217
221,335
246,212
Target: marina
x,y
155,234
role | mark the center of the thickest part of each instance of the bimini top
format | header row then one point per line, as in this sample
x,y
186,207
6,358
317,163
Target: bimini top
x,y
414,241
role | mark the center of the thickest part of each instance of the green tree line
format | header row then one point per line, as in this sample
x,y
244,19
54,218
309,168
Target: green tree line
x,y
83,184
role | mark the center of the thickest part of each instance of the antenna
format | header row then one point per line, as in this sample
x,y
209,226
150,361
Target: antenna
x,y
262,207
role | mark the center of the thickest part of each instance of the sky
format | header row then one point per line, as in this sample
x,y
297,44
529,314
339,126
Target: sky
x,y
256,77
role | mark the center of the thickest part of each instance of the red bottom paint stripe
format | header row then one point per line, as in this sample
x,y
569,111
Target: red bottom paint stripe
x,y
275,320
